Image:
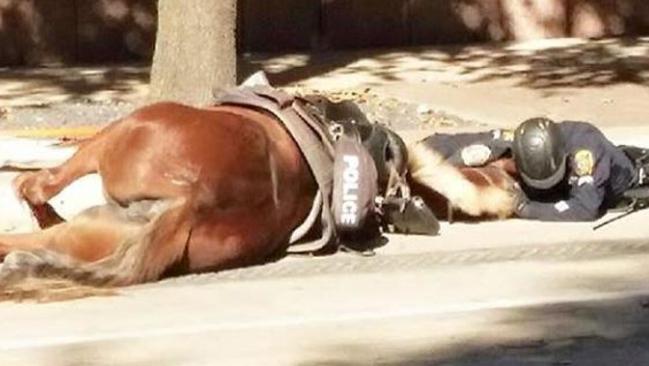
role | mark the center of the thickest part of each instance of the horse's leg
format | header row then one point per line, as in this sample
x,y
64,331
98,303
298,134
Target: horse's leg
x,y
39,186
89,236
37,265
100,246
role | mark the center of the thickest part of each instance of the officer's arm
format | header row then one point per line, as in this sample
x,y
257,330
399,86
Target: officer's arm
x,y
492,146
584,204
587,195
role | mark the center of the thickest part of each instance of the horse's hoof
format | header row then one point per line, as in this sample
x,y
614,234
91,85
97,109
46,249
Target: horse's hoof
x,y
34,187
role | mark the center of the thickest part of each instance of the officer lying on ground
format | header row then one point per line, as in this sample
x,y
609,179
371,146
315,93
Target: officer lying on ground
x,y
569,171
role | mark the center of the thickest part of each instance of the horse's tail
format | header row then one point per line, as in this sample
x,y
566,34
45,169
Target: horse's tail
x,y
140,257
484,191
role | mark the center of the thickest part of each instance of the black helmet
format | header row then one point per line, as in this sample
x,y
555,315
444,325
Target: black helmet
x,y
384,145
539,153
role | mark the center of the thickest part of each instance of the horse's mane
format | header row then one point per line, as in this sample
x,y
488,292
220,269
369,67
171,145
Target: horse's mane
x,y
477,192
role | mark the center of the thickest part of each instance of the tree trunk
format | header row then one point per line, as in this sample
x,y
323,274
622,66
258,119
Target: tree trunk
x,y
195,50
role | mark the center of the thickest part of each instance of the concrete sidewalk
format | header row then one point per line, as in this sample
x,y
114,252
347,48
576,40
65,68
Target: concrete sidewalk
x,y
495,311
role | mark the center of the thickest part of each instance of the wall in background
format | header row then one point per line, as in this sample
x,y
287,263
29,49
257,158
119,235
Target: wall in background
x,y
36,32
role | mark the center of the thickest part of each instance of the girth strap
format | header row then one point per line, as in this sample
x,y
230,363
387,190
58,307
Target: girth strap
x,y
312,140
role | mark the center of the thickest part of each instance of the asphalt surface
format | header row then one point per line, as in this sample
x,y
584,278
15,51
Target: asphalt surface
x,y
581,312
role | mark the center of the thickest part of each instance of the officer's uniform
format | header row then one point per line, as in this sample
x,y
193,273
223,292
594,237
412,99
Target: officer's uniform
x,y
471,149
597,175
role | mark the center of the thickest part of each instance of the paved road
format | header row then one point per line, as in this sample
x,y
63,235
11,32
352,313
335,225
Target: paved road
x,y
536,311
512,292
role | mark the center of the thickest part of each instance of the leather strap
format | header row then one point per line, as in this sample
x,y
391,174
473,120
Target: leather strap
x,y
312,139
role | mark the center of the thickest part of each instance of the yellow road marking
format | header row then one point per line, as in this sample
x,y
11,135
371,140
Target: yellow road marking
x,y
53,132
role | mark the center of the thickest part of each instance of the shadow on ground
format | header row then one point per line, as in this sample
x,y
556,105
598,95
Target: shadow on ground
x,y
94,354
75,83
614,333
543,65
602,331
538,65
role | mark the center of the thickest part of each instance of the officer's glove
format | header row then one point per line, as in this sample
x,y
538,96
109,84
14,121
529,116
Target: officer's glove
x,y
475,155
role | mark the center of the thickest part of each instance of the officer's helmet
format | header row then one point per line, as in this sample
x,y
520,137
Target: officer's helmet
x,y
539,152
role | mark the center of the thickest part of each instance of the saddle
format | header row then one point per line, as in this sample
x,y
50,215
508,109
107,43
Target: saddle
x,y
359,168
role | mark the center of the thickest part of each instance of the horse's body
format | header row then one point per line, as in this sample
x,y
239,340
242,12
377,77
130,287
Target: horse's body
x,y
196,189
189,190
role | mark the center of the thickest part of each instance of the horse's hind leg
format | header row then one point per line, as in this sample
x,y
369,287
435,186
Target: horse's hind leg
x,y
90,236
105,246
35,265
39,186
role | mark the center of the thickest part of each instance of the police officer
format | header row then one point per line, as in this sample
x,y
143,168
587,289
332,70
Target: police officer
x,y
569,171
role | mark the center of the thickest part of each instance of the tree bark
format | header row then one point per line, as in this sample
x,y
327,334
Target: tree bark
x,y
195,51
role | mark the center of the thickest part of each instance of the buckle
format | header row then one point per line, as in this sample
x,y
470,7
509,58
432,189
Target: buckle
x,y
642,175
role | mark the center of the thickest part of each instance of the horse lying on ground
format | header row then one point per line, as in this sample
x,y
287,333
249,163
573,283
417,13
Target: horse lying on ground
x,y
189,190
195,189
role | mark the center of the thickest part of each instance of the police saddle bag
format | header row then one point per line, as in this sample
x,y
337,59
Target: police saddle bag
x,y
359,167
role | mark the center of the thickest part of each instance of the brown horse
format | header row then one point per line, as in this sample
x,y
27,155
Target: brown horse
x,y
197,189
188,190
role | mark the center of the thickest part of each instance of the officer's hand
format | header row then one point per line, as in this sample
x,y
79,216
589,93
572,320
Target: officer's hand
x,y
475,155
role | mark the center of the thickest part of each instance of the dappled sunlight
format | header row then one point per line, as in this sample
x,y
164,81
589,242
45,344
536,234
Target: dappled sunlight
x,y
541,64
544,65
20,87
575,64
